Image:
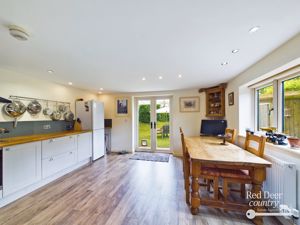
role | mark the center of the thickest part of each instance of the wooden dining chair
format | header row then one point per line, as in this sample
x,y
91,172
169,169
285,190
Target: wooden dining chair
x,y
241,176
186,168
206,173
231,135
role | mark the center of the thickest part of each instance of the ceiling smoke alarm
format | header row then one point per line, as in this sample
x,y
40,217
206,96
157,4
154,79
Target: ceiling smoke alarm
x,y
18,33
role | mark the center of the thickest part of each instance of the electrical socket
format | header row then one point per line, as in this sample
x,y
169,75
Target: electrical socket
x,y
46,126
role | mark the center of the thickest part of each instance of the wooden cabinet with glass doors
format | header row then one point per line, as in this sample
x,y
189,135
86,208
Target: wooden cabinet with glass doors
x,y
215,102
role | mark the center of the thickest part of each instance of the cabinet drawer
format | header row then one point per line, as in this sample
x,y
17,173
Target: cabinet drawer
x,y
58,146
54,164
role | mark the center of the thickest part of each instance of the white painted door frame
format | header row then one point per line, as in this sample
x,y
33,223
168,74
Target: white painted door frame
x,y
153,121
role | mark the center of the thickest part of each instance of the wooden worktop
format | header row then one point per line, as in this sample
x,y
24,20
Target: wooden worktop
x,y
5,142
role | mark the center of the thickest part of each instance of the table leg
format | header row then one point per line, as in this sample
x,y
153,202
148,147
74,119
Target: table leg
x,y
259,175
195,196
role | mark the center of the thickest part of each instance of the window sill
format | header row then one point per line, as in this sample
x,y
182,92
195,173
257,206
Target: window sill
x,y
285,149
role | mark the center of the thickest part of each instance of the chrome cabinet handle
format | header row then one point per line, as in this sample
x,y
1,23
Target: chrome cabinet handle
x,y
7,149
51,159
51,140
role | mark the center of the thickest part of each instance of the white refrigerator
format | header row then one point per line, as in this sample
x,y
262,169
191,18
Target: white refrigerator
x,y
91,114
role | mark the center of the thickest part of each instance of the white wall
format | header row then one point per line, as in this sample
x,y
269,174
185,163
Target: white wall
x,y
123,127
12,83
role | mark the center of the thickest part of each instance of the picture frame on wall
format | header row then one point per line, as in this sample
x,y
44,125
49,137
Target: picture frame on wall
x,y
122,106
231,98
189,104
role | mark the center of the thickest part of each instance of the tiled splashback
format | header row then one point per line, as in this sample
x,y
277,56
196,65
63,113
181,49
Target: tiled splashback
x,y
35,127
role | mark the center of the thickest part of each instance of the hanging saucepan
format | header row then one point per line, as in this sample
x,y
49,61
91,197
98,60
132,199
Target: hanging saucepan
x,y
62,108
14,110
47,111
69,115
56,114
34,108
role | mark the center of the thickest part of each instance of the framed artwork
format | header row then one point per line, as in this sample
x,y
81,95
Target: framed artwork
x,y
189,104
122,106
231,98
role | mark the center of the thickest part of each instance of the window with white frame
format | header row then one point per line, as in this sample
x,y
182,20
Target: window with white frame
x,y
278,106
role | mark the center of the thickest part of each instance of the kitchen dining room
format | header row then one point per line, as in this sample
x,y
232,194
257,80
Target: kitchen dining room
x,y
135,113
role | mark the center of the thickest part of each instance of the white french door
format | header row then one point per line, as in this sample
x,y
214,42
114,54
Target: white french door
x,y
153,116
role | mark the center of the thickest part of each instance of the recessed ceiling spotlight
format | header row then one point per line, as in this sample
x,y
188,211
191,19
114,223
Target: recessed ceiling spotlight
x,y
235,51
101,89
224,63
179,76
50,71
160,77
18,32
70,83
144,78
254,29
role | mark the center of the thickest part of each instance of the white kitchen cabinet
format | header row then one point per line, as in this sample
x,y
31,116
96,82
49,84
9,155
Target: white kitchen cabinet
x,y
58,154
58,162
56,146
21,166
84,146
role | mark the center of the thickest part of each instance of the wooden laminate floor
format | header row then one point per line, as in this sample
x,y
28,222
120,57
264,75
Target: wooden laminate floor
x,y
116,191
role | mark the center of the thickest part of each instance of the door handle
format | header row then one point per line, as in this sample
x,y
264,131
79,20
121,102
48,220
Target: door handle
x,y
154,125
151,125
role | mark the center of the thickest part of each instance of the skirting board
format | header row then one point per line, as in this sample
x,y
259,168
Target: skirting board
x,y
8,199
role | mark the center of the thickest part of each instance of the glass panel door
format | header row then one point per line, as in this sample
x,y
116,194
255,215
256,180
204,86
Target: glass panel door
x,y
153,123
163,124
144,124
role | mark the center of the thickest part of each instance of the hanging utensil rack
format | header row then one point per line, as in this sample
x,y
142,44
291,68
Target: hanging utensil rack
x,y
14,97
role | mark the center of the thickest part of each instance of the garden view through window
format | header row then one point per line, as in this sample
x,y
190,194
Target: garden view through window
x,y
291,109
288,108
265,108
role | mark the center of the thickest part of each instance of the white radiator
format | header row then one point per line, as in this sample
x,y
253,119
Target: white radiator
x,y
282,178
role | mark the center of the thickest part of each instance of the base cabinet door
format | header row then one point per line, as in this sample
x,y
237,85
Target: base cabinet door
x,y
98,144
21,166
84,146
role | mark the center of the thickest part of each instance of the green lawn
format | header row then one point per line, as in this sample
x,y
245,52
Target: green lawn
x,y
144,133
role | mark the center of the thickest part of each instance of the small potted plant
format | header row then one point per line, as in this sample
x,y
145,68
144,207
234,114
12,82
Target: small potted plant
x,y
294,142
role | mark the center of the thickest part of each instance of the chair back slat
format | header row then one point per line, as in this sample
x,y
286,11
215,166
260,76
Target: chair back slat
x,y
232,135
260,144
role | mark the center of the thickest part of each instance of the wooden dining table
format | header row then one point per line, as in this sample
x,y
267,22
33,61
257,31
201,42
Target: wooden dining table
x,y
208,151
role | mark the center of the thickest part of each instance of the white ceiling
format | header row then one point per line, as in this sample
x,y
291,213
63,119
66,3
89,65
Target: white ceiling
x,y
114,43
